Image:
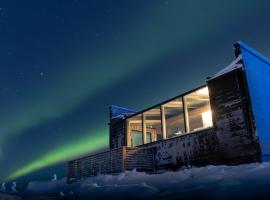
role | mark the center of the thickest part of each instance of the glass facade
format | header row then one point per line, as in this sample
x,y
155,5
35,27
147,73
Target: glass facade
x,y
152,124
198,111
148,137
174,118
181,115
135,131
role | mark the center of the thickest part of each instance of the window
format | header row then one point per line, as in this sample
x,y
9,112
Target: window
x,y
174,118
152,124
136,138
198,112
148,137
134,131
181,115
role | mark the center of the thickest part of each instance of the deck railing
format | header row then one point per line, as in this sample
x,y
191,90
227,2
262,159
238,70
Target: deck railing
x,y
112,162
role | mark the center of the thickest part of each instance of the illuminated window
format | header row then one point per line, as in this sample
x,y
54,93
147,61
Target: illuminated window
x,y
134,131
136,138
148,137
152,122
179,116
174,118
198,112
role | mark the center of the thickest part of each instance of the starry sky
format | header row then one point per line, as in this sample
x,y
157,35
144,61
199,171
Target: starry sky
x,y
63,62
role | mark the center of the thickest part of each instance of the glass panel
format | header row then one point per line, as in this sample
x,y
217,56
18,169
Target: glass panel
x,y
174,118
136,138
199,114
152,121
148,137
135,131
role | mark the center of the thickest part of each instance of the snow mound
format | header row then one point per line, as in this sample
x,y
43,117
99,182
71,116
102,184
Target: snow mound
x,y
132,191
248,181
9,197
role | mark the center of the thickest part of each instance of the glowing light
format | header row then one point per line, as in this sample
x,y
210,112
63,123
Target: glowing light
x,y
207,119
203,91
81,147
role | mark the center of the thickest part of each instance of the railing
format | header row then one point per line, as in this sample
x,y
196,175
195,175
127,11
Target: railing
x,y
141,159
112,162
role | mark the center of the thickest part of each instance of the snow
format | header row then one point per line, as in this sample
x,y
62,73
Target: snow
x,y
248,181
9,197
234,65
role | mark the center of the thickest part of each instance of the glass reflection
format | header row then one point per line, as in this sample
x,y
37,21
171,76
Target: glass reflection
x,y
135,131
174,118
152,122
198,111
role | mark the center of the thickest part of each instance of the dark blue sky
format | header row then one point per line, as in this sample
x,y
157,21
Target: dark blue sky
x,y
64,62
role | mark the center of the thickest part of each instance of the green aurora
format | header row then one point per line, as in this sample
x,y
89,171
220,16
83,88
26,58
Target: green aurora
x,y
158,31
124,57
67,152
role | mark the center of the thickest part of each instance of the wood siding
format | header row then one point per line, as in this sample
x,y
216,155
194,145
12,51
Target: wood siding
x,y
117,133
233,120
193,149
111,162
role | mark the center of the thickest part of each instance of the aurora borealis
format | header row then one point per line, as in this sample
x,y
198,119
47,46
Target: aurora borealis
x,y
64,153
64,62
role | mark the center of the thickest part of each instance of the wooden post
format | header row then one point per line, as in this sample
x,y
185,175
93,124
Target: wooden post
x,y
128,134
186,115
144,129
163,122
153,160
124,156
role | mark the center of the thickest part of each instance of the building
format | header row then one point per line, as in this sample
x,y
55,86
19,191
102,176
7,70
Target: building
x,y
224,121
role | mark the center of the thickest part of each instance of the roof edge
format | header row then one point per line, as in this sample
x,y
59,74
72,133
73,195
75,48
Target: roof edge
x,y
238,45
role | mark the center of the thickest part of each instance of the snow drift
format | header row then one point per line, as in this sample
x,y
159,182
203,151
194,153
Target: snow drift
x,y
9,197
211,182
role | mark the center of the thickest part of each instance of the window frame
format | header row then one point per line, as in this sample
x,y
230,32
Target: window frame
x,y
162,114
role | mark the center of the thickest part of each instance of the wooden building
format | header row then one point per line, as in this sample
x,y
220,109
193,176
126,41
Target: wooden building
x,y
224,121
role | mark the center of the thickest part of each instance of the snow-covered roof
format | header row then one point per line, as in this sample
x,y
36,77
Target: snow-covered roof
x,y
236,64
123,115
119,112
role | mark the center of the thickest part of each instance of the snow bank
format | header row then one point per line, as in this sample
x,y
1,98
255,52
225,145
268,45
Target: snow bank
x,y
211,182
9,197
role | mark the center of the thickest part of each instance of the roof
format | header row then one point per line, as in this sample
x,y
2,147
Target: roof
x,y
252,51
236,64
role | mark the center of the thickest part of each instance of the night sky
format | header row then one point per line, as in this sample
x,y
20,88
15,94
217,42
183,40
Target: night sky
x,y
63,62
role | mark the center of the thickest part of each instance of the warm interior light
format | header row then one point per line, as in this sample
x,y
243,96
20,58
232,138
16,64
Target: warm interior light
x,y
203,91
207,119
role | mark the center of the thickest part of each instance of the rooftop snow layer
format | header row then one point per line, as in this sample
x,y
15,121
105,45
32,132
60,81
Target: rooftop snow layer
x,y
234,65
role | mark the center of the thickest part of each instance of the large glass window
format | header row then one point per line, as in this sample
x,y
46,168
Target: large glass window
x,y
174,118
134,131
152,124
181,115
198,112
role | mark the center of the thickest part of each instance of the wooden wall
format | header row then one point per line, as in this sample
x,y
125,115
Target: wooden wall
x,y
233,118
111,162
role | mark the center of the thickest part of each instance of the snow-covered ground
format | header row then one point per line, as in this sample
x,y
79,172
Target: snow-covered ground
x,y
9,197
250,181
